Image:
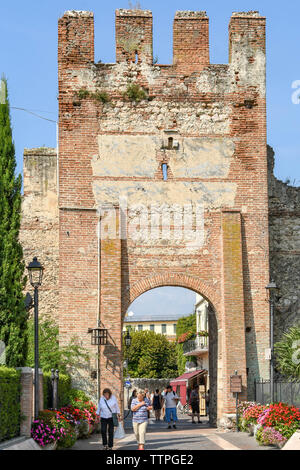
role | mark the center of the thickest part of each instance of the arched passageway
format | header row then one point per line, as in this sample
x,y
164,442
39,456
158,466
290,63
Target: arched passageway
x,y
157,307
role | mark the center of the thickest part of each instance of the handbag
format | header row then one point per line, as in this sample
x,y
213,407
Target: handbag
x,y
114,415
119,432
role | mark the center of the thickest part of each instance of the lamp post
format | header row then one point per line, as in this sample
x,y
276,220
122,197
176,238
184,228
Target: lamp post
x,y
272,288
127,340
35,271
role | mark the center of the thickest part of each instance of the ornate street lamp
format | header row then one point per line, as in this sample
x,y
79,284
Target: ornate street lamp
x,y
272,289
127,339
35,271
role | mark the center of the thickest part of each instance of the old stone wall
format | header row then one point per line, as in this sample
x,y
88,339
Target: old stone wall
x,y
284,226
39,223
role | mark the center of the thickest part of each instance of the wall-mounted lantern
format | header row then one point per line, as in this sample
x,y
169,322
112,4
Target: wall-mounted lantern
x,y
99,336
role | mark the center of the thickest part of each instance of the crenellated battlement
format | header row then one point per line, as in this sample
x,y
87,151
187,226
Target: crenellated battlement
x,y
134,37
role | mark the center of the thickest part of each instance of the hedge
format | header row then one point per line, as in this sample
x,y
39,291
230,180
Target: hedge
x,y
64,387
10,413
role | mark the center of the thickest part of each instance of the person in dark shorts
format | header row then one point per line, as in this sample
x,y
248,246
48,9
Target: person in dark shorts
x,y
195,404
157,404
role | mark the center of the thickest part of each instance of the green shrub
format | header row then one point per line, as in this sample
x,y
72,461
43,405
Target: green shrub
x,y
74,395
51,354
98,95
70,437
287,353
83,93
135,93
9,403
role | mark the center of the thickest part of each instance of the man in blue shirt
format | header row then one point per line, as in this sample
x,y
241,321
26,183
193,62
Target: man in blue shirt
x,y
171,399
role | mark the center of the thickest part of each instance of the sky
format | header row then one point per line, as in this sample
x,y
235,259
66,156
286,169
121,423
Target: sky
x,y
28,58
164,301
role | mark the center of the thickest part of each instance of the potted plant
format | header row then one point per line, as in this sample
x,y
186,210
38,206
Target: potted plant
x,y
46,436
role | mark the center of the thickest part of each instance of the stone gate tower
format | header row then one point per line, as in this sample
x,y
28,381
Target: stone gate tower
x,y
134,134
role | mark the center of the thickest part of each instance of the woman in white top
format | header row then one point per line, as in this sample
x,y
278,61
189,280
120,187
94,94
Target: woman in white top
x,y
108,405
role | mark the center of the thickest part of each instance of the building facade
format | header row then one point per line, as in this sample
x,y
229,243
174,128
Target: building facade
x,y
164,325
198,347
135,135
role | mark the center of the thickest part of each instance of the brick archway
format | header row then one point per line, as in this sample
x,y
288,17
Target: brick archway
x,y
197,285
170,279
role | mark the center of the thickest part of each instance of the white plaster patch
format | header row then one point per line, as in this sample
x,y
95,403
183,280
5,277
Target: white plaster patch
x,y
210,195
202,157
126,155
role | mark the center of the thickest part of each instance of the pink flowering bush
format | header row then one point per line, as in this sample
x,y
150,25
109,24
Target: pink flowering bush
x,y
44,434
272,424
270,437
65,425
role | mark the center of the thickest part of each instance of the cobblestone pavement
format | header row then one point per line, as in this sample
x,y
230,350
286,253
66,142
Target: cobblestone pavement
x,y
187,436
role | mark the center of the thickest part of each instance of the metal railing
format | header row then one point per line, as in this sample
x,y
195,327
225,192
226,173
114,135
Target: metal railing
x,y
200,343
284,391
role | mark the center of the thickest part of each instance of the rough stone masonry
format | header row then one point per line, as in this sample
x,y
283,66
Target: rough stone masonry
x,y
190,133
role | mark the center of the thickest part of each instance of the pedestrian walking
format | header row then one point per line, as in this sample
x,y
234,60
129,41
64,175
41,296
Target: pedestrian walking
x,y
171,399
140,406
109,412
157,404
195,403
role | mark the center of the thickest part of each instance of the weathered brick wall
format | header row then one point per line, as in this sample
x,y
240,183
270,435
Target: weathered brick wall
x,y
216,115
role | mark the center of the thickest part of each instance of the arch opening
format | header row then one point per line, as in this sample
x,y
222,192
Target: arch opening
x,y
158,311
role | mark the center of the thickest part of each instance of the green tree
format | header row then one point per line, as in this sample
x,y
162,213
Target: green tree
x,y
13,316
151,355
287,353
51,355
184,325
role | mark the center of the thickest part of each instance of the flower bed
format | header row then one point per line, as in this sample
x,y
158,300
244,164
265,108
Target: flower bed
x,y
272,424
63,426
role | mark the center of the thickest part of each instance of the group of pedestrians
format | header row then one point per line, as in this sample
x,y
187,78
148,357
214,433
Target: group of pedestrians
x,y
141,403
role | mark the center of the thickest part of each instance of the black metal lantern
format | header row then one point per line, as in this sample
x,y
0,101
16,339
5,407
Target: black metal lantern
x,y
272,287
99,336
127,339
35,270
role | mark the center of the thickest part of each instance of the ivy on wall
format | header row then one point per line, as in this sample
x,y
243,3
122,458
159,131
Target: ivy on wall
x,y
186,328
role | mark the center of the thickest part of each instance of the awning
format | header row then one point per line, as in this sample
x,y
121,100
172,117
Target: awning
x,y
183,379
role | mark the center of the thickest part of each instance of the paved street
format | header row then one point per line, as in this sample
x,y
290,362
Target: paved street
x,y
187,436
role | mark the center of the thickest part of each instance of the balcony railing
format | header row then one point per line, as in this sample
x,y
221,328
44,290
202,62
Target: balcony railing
x,y
195,346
